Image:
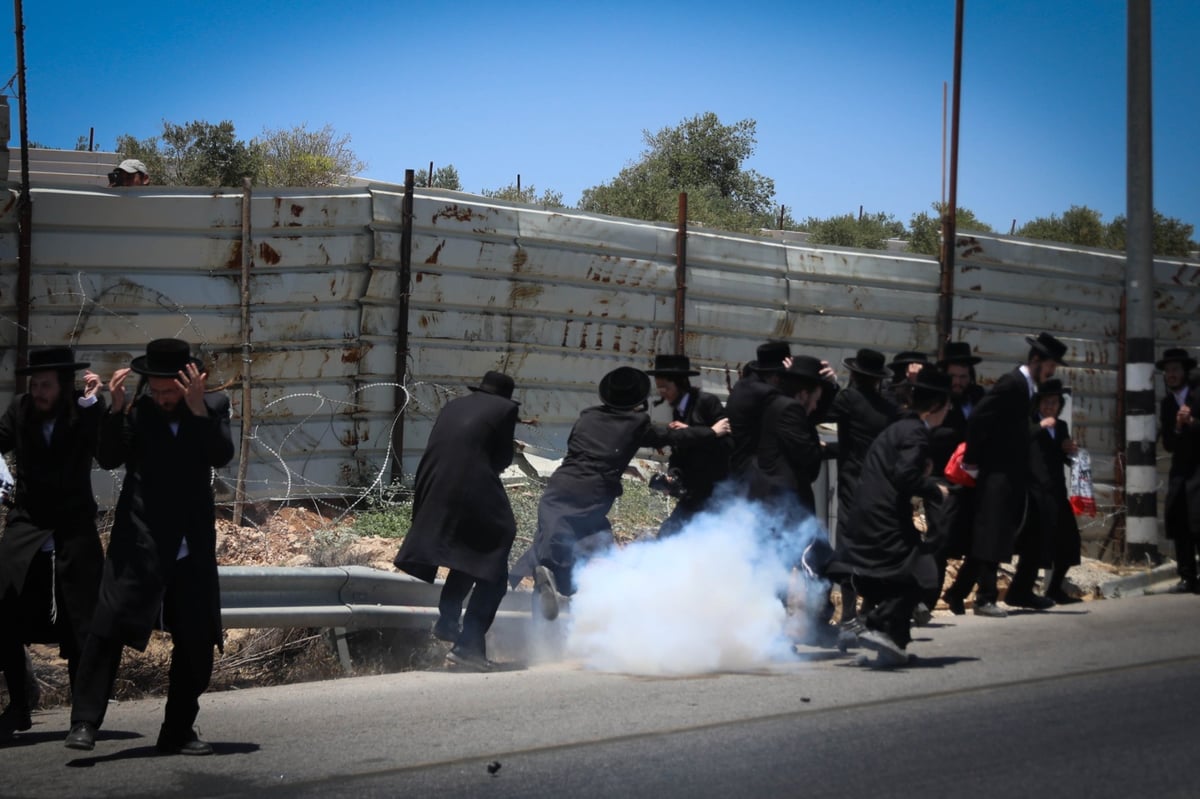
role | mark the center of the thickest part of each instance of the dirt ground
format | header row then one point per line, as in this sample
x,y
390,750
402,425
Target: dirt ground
x,y
294,537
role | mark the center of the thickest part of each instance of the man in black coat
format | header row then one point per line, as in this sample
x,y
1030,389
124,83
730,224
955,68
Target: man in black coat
x,y
50,553
747,400
1050,452
694,469
161,560
905,367
573,512
1180,424
462,518
882,552
998,452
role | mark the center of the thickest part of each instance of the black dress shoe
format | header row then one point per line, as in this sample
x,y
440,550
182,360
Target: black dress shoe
x,y
446,632
469,660
1185,587
82,736
1031,601
991,610
188,743
954,603
1061,597
13,720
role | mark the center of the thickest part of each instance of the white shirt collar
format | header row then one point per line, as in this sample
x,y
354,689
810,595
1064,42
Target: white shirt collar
x,y
1181,395
1024,369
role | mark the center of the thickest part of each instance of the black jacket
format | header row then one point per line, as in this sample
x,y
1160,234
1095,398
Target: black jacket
x,y
703,463
462,518
747,402
789,453
166,496
1050,507
860,416
1183,481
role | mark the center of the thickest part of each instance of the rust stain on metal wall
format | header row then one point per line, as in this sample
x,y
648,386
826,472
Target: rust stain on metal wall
x,y
433,257
355,353
524,291
235,256
268,253
454,212
297,210
519,259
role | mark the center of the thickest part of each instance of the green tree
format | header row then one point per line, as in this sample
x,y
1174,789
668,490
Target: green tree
x,y
1078,225
301,157
1171,236
526,194
868,231
194,154
445,177
700,156
925,230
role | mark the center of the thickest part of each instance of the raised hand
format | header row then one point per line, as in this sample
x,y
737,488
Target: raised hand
x,y
191,380
91,384
116,388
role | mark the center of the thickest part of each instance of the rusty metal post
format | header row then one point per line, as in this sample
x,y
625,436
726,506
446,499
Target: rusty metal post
x,y
680,273
403,293
1114,542
246,420
945,316
24,209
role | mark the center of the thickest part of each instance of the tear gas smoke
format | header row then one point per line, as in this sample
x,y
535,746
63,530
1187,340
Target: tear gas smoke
x,y
705,600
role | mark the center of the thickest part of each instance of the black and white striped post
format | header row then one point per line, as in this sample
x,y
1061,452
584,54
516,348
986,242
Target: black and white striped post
x,y
1141,474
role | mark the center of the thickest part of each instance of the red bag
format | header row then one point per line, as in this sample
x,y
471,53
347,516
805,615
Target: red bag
x,y
954,471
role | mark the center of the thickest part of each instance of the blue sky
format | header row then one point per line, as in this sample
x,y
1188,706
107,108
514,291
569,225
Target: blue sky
x,y
847,95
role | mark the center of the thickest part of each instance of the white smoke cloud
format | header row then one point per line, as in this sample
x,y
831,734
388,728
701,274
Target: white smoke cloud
x,y
705,600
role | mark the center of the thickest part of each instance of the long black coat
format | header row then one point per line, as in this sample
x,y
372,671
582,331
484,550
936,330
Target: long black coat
x,y
952,520
860,416
1183,481
880,540
747,400
1050,507
702,463
789,453
573,511
462,518
53,496
998,443
166,496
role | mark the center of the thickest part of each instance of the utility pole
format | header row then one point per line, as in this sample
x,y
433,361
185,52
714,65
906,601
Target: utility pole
x,y
1141,472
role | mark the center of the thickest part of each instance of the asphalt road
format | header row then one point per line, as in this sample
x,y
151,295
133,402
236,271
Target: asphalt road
x,y
1094,700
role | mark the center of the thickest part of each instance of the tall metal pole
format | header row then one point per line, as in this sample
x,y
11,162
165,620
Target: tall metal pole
x,y
681,273
24,208
1141,475
945,317
247,417
403,294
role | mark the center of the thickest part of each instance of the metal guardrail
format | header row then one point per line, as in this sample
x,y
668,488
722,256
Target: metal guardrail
x,y
349,597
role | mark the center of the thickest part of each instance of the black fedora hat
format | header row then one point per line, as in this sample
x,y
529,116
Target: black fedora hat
x,y
1172,355
48,359
1049,388
672,366
868,362
496,383
769,357
804,368
900,363
958,352
1049,347
931,380
165,357
624,388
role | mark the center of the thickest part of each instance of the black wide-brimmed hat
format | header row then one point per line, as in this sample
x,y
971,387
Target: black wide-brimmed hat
x,y
496,383
931,380
1172,355
672,366
900,363
958,352
868,362
165,357
48,359
1049,347
804,367
1049,388
624,388
769,357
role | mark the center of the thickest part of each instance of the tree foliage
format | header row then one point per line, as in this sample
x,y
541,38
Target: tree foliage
x,y
526,194
869,231
445,177
302,157
1083,226
700,156
925,230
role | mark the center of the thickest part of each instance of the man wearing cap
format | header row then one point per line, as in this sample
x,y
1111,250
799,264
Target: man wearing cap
x,y
861,414
50,553
573,511
462,518
701,465
161,560
881,551
1050,452
130,172
998,452
905,367
1180,424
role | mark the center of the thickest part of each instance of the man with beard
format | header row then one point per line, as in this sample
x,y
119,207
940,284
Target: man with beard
x,y
951,520
861,414
696,468
998,452
462,518
882,551
161,561
573,511
50,554
1180,424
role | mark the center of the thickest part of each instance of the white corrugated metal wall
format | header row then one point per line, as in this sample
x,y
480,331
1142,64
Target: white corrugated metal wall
x,y
554,297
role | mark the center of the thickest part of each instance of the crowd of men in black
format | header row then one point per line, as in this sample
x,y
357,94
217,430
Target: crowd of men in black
x,y
898,427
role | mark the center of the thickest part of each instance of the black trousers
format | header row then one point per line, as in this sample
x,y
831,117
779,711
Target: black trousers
x,y
1186,540
893,604
191,627
978,574
481,609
